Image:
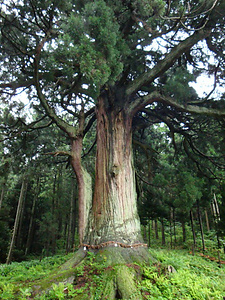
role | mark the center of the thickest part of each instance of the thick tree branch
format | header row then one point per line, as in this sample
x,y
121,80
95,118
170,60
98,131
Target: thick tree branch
x,y
141,102
167,62
192,108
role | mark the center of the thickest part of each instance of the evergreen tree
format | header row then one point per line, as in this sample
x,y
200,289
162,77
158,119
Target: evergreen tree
x,y
113,61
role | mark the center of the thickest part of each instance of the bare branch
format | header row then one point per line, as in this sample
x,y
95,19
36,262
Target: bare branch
x,y
192,108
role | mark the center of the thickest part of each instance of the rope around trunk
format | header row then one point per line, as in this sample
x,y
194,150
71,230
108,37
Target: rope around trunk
x,y
115,244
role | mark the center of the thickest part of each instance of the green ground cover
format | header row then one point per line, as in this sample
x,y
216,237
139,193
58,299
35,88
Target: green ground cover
x,y
176,274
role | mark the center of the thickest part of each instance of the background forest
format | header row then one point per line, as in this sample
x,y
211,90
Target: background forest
x,y
178,204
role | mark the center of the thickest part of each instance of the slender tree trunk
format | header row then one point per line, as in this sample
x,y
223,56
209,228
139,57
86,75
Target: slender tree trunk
x,y
144,233
207,220
153,227
156,229
171,233
17,219
29,236
201,227
84,186
2,194
149,233
216,207
114,214
5,170
183,230
192,228
174,227
47,245
58,205
18,242
216,215
163,232
52,231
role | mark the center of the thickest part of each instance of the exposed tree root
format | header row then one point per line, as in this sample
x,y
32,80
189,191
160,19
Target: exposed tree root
x,y
64,274
109,273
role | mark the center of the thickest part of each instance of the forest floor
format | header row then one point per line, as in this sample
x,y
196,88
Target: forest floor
x,y
171,274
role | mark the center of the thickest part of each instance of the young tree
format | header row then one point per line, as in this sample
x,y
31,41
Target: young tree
x,y
108,60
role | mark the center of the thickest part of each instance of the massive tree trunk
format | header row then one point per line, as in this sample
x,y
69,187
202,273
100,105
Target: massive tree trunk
x,y
114,213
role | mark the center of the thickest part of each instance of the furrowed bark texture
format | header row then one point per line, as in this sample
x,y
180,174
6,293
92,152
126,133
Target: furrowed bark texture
x,y
114,212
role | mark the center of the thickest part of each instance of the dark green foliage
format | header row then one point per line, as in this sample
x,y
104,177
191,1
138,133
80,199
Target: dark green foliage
x,y
176,85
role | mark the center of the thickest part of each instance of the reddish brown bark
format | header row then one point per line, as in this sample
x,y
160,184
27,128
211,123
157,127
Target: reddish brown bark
x,y
114,213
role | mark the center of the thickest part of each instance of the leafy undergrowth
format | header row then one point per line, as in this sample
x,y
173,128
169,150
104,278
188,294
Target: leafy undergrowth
x,y
176,275
194,277
15,278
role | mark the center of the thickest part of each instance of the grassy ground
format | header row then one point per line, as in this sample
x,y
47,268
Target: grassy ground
x,y
177,274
